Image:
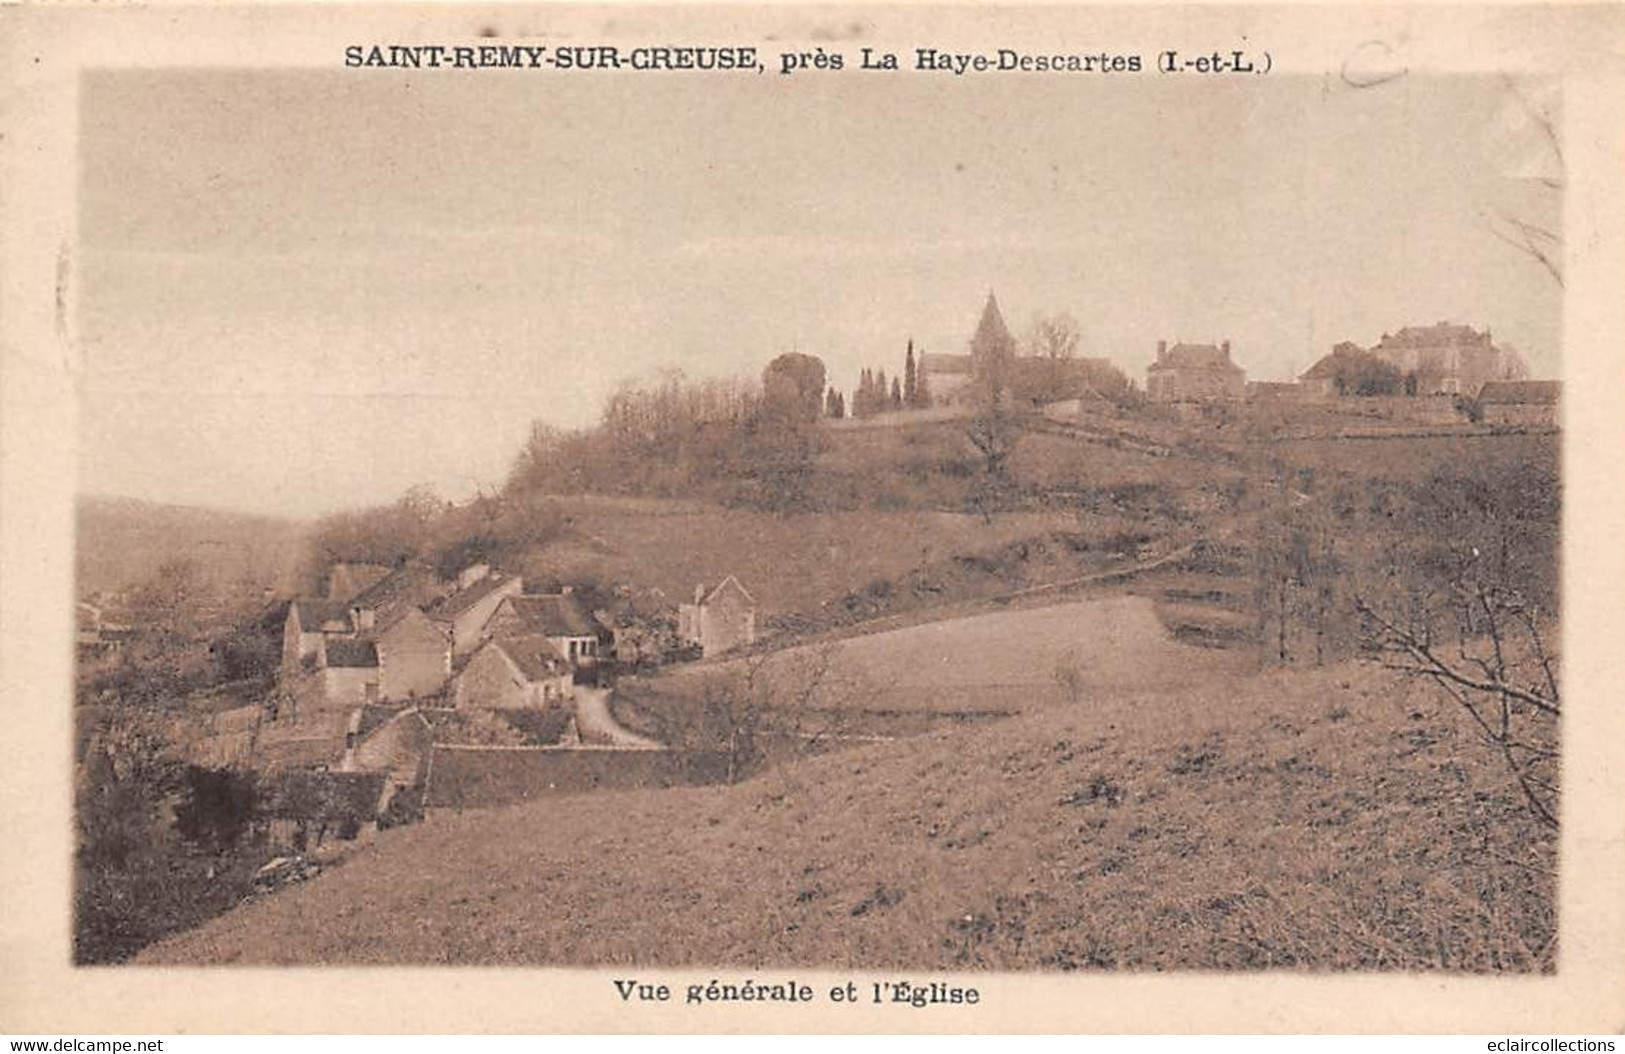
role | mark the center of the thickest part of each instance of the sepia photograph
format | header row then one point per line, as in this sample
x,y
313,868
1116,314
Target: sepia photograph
x,y
922,507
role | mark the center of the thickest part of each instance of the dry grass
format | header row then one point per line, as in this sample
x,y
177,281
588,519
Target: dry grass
x,y
789,563
1001,660
1325,820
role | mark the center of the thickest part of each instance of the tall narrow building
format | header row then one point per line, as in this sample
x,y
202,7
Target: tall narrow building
x,y
992,348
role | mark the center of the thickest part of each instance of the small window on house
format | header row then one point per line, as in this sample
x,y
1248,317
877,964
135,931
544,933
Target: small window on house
x,y
349,741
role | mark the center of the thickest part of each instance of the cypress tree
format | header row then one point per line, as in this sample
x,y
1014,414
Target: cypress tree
x,y
910,396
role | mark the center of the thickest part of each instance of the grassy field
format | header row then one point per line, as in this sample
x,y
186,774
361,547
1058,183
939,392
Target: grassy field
x,y
1311,820
793,563
1001,660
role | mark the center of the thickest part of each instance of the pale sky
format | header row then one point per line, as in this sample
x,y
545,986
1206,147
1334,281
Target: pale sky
x,y
308,291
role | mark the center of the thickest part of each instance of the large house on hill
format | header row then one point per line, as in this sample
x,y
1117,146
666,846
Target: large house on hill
x,y
1449,359
1195,373
718,621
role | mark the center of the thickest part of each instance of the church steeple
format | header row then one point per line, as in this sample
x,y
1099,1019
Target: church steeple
x,y
992,341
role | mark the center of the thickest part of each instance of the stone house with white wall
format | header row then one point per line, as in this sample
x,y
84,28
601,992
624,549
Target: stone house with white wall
x,y
718,621
514,673
559,618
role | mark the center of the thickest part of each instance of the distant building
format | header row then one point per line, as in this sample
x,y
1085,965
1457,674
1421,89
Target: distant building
x,y
1321,379
947,376
1194,373
414,657
1448,359
1520,402
349,674
306,629
557,617
466,612
513,673
718,621
375,645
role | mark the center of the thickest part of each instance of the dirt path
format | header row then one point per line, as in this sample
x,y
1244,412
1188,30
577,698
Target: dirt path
x,y
598,725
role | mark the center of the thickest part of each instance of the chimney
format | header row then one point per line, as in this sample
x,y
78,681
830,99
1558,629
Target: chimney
x,y
1225,347
1162,350
699,593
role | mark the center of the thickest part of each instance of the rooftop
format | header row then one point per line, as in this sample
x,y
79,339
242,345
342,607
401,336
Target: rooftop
x,y
553,615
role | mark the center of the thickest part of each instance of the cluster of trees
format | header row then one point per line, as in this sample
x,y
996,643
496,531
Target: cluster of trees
x,y
151,854
736,441
875,394
1450,579
1355,371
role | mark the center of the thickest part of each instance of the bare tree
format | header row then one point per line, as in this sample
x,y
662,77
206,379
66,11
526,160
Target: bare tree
x,y
1535,160
775,703
1486,649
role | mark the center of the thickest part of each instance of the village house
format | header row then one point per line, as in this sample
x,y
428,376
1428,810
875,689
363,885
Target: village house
x,y
1448,359
1194,373
414,657
514,673
411,586
349,674
947,375
466,612
559,618
389,742
718,621
407,655
305,632
1520,402
1320,381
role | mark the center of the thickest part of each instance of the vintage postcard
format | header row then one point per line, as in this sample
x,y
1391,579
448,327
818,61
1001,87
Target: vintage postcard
x,y
843,518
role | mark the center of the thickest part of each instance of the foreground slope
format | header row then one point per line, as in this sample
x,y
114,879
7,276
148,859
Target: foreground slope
x,y
1322,820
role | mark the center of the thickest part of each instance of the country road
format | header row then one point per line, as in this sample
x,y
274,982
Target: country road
x,y
597,725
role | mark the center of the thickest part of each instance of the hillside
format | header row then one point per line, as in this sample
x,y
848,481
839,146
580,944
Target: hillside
x,y
123,541
1307,820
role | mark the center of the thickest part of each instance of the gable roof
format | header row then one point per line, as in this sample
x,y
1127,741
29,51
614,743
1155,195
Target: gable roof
x,y
722,585
354,654
532,653
1196,357
941,362
464,599
553,615
1430,336
992,335
1528,393
404,587
313,613
1326,367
